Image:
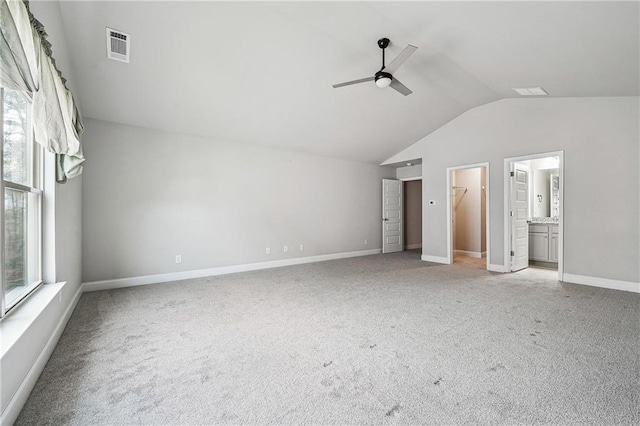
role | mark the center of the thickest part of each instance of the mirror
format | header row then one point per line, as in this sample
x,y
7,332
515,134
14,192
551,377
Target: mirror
x,y
544,197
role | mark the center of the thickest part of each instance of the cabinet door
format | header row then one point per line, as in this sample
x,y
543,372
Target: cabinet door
x,y
539,246
553,248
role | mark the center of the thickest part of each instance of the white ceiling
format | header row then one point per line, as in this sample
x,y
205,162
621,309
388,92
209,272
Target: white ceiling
x,y
262,72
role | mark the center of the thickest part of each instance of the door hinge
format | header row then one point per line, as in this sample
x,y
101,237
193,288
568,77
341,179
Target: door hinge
x,y
513,253
511,213
512,174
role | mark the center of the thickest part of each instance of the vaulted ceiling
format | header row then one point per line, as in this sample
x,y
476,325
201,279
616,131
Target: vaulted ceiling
x,y
262,72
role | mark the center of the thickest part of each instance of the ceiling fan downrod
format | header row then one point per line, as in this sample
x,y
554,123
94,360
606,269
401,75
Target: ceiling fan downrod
x,y
383,79
383,43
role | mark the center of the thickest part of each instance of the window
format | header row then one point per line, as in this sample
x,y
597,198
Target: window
x,y
21,199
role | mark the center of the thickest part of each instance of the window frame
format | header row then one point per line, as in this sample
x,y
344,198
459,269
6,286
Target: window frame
x,y
35,153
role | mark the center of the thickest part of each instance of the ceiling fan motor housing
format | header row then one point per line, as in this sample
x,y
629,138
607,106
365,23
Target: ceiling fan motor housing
x,y
382,74
383,79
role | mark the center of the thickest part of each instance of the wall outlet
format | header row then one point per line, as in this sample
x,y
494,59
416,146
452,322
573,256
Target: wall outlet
x,y
178,258
268,250
301,247
366,241
285,249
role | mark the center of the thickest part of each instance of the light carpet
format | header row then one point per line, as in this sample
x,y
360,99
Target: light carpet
x,y
384,339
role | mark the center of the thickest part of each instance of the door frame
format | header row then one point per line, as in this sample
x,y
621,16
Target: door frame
x,y
507,205
487,206
410,179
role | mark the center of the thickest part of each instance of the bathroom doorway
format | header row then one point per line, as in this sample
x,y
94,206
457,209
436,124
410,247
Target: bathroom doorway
x,y
534,202
468,212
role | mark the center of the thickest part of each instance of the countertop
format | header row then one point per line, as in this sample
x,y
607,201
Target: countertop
x,y
543,221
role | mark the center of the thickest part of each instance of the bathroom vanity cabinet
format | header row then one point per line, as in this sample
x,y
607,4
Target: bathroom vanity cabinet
x,y
543,242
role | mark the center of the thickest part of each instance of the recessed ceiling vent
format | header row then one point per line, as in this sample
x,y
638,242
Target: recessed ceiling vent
x,y
118,45
531,91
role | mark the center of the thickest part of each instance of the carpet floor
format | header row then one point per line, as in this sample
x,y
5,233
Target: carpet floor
x,y
385,339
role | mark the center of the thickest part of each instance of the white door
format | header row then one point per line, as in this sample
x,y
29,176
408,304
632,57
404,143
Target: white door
x,y
392,239
518,211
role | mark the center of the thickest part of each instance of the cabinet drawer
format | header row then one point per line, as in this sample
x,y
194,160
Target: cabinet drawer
x,y
538,228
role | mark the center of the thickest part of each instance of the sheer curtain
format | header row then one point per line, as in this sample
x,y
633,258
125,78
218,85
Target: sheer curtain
x,y
27,65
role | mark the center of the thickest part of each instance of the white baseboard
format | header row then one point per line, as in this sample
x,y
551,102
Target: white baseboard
x,y
435,259
223,270
602,282
496,268
413,246
10,414
475,254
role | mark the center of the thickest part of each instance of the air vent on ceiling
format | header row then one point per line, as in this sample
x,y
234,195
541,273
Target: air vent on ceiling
x,y
531,91
118,45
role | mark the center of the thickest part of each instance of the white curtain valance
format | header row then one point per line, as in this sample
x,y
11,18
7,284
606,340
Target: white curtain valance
x,y
28,65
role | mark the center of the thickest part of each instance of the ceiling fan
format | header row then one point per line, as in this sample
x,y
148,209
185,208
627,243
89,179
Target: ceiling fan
x,y
384,77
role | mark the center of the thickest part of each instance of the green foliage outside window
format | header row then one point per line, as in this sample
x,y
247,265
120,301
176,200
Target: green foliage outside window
x,y
17,168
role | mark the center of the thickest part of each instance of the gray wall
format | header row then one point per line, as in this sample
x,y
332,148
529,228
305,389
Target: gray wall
x,y
68,196
409,172
151,195
599,137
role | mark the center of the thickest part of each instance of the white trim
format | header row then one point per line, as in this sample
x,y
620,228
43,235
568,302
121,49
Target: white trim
x,y
49,218
223,270
435,259
407,179
2,295
602,282
487,207
476,254
413,246
15,405
505,212
496,268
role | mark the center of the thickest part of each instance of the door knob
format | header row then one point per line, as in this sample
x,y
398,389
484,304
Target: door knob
x,y
385,219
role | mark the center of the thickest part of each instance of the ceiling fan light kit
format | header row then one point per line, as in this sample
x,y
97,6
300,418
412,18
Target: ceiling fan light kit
x,y
384,77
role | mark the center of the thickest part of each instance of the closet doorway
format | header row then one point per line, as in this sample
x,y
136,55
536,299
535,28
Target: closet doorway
x,y
412,214
468,211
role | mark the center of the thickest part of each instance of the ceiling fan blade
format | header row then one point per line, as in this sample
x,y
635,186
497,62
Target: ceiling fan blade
x,y
399,60
400,87
349,83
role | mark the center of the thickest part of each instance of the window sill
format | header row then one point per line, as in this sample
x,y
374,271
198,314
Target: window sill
x,y
21,294
20,318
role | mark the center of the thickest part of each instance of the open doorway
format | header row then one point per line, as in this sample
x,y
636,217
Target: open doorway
x,y
412,214
402,209
468,212
534,202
